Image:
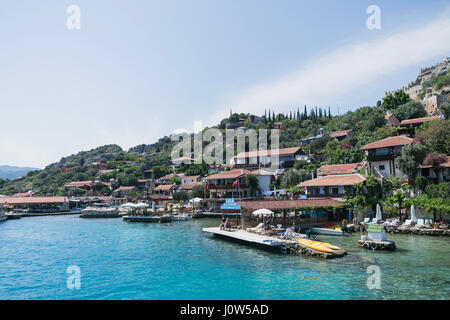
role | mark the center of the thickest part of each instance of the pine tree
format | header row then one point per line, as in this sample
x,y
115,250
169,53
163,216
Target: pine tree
x,y
305,113
329,112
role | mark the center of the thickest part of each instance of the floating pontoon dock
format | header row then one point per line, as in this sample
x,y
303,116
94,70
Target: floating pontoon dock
x,y
151,219
270,243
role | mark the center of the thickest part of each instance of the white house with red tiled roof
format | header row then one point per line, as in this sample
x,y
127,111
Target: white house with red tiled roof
x,y
382,154
222,185
332,185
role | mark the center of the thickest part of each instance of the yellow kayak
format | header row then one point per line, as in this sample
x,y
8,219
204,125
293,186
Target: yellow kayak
x,y
319,246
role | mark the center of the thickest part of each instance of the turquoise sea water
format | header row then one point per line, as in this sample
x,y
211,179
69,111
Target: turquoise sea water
x,y
120,260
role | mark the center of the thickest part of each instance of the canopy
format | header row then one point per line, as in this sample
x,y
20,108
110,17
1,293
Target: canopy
x,y
413,214
196,200
141,205
264,212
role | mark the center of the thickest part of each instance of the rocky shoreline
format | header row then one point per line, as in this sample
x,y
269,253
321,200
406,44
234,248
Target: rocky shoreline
x,y
411,230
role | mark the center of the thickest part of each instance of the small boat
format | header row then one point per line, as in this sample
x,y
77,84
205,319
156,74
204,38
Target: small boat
x,y
326,231
318,246
181,217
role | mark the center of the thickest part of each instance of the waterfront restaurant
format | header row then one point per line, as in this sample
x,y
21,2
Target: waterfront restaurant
x,y
222,185
300,212
36,204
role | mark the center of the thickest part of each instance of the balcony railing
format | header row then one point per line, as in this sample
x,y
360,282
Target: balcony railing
x,y
381,157
227,186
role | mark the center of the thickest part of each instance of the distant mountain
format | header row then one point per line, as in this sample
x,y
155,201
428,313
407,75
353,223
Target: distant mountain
x,y
10,172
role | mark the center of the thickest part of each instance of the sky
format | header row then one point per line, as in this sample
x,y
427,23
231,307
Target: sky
x,y
136,71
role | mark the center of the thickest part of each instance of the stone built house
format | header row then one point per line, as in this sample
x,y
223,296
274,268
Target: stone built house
x,y
382,155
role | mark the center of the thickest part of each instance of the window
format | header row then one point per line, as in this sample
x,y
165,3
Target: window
x,y
381,166
335,190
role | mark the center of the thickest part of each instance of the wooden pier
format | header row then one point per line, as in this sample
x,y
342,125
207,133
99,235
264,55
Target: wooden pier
x,y
271,243
148,219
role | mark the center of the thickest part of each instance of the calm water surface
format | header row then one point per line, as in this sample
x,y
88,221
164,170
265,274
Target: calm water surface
x,y
120,260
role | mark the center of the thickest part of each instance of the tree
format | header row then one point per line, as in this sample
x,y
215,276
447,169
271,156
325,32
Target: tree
x,y
392,101
444,108
180,196
252,183
198,191
396,202
410,110
412,156
175,180
293,177
159,171
435,134
366,194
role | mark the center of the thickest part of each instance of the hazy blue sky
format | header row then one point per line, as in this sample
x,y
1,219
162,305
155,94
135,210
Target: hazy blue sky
x,y
137,70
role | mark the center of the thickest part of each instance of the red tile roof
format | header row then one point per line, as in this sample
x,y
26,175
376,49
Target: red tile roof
x,y
288,204
79,184
32,200
164,187
419,120
340,133
191,186
232,174
388,115
338,180
280,152
124,189
335,169
388,142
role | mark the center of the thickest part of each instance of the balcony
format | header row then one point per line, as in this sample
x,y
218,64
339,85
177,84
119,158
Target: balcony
x,y
227,186
383,157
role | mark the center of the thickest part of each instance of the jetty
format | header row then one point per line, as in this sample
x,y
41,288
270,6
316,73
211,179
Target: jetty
x,y
271,243
148,219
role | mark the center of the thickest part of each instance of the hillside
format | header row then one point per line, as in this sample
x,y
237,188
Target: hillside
x,y
11,172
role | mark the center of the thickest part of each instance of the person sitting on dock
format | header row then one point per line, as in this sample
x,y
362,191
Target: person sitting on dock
x,y
222,224
227,225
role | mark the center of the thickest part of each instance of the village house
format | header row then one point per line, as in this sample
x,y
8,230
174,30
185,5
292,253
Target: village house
x,y
335,186
221,185
91,188
165,189
190,179
189,186
409,126
279,126
337,169
123,192
341,135
306,141
283,158
382,154
391,120
145,183
436,174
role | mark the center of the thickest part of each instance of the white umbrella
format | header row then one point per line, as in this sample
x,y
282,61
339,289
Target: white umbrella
x,y
264,212
197,200
128,205
141,205
413,214
378,215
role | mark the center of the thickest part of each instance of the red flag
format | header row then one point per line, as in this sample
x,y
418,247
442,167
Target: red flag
x,y
235,183
207,187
